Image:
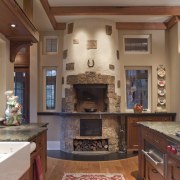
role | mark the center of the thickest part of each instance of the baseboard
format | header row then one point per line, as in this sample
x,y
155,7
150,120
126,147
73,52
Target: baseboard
x,y
53,145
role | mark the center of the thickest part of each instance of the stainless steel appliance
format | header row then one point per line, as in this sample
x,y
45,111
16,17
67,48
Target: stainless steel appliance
x,y
157,158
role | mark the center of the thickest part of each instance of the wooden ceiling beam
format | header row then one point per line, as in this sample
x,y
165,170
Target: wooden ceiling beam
x,y
51,17
113,10
172,21
140,26
60,26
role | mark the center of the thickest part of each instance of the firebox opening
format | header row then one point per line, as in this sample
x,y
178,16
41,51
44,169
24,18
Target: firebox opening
x,y
90,127
91,97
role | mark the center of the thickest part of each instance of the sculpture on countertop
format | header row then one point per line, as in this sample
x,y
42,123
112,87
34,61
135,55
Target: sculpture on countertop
x,y
13,113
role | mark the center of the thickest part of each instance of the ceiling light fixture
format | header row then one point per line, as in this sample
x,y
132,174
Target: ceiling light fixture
x,y
13,25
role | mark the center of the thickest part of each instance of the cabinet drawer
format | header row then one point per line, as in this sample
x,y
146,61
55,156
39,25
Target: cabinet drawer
x,y
154,138
152,173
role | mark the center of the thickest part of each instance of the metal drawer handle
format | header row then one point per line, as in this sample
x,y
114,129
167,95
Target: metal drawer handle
x,y
154,171
151,159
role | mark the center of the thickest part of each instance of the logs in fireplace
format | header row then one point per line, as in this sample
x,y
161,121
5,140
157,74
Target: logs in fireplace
x,y
90,144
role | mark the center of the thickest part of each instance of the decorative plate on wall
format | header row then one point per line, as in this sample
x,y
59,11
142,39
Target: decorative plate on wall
x,y
161,92
161,100
161,72
161,82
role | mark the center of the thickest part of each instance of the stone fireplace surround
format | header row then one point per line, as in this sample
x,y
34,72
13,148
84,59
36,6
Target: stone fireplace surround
x,y
70,131
70,101
70,125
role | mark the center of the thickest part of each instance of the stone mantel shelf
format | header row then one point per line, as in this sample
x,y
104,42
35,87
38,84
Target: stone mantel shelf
x,y
105,113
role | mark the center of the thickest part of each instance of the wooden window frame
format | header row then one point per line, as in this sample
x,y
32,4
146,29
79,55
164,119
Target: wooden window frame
x,y
148,37
149,69
45,44
44,89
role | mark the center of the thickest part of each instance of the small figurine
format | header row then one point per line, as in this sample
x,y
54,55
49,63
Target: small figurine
x,y
13,111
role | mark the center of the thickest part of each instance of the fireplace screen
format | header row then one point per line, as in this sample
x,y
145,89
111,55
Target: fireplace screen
x,y
90,127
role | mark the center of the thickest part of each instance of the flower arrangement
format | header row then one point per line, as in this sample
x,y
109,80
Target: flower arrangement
x,y
13,111
138,108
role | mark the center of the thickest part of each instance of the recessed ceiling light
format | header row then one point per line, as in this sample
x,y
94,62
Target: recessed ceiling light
x,y
13,25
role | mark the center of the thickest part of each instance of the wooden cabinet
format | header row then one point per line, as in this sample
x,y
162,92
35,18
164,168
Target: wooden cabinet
x,y
173,169
151,140
41,150
132,128
152,173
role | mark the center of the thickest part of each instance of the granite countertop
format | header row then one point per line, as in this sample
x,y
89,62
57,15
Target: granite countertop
x,y
107,113
167,128
24,132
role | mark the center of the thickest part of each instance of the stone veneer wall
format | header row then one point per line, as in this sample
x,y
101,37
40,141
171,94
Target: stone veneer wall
x,y
113,100
70,129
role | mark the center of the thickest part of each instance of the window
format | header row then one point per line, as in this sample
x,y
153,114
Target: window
x,y
50,45
21,89
137,44
138,86
50,89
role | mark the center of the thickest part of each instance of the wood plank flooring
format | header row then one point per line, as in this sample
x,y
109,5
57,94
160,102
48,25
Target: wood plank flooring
x,y
57,167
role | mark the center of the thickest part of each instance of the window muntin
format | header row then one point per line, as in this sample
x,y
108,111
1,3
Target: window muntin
x,y
50,45
50,87
137,44
137,87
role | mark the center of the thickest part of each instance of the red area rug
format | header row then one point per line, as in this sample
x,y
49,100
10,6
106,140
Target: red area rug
x,y
93,176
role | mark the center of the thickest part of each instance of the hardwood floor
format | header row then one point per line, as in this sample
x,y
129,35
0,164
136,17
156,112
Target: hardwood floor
x,y
57,167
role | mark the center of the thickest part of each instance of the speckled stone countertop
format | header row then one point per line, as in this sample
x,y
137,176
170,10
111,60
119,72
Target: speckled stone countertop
x,y
167,128
24,132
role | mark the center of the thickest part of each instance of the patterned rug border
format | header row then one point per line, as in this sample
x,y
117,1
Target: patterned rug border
x,y
108,175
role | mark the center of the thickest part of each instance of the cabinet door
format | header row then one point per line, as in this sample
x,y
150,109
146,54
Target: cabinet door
x,y
132,128
174,170
132,135
152,173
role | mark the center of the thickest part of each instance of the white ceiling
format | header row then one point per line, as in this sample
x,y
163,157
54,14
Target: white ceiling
x,y
42,22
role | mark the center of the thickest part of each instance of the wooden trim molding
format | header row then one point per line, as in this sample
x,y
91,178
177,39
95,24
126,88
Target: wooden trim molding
x,y
113,10
15,47
56,26
24,27
172,21
140,26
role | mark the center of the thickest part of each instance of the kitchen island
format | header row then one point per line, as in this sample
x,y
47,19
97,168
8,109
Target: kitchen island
x,y
159,150
35,132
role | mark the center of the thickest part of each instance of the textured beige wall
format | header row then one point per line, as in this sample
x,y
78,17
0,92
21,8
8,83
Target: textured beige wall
x,y
174,57
163,42
103,55
158,56
6,73
46,60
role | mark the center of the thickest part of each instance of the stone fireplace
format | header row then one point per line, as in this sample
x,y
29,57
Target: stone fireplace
x,y
91,97
90,86
91,90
